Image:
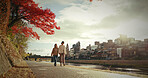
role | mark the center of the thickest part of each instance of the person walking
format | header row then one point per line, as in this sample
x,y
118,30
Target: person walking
x,y
62,52
55,53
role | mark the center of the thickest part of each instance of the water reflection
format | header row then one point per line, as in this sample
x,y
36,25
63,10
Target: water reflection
x,y
129,70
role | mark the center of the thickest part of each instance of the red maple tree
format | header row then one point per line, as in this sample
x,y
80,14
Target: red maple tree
x,y
92,0
30,11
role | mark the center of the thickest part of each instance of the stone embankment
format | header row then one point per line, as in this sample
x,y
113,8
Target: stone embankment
x,y
11,63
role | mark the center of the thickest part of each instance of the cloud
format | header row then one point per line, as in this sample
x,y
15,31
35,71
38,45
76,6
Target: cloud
x,y
40,48
47,3
96,21
80,20
53,1
69,30
86,13
39,51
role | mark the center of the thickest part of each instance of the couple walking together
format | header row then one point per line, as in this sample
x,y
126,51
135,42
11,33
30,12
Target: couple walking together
x,y
62,51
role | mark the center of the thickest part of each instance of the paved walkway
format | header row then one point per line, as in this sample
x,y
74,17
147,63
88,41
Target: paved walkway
x,y
47,70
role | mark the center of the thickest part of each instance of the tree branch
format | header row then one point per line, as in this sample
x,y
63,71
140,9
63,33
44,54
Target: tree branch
x,y
15,20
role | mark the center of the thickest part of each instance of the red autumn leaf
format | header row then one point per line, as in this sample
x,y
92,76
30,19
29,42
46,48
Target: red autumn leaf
x,y
41,18
90,0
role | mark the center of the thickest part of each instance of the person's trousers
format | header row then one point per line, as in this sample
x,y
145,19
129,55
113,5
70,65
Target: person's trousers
x,y
62,58
55,59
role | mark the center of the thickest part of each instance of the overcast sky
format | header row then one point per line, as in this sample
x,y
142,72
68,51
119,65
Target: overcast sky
x,y
84,21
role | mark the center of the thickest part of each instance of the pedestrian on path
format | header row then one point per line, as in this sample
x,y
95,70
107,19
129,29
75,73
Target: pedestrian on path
x,y
62,52
55,53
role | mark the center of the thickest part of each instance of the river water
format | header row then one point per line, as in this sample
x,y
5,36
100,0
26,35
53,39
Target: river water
x,y
129,70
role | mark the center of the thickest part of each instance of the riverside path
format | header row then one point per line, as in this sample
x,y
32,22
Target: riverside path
x,y
47,70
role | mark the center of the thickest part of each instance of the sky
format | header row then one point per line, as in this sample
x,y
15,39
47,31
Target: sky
x,y
87,22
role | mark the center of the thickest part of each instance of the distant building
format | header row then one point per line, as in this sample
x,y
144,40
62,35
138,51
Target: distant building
x,y
67,50
146,44
127,53
122,40
71,52
119,52
113,54
76,47
97,43
110,41
117,41
138,41
94,47
131,41
122,47
110,44
88,47
104,45
142,49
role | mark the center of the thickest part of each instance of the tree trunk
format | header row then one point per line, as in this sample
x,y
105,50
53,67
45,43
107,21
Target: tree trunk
x,y
4,15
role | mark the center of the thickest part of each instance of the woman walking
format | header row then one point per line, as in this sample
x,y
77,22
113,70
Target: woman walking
x,y
55,53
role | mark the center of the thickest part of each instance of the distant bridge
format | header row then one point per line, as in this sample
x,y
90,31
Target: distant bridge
x,y
39,58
